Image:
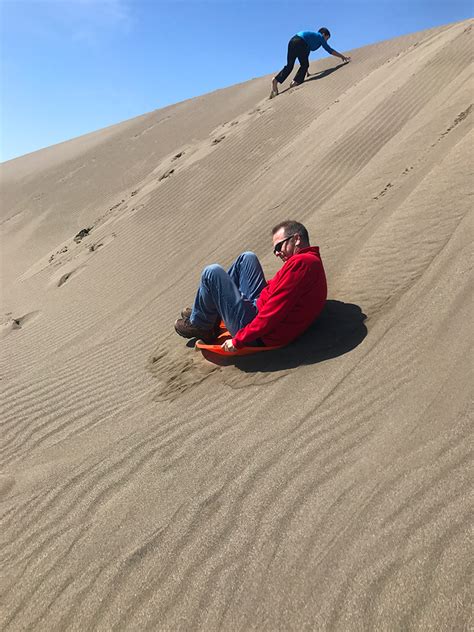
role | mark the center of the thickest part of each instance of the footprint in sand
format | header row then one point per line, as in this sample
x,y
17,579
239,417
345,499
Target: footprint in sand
x,y
166,175
112,208
61,279
181,153
13,323
384,191
78,263
81,234
217,140
459,118
100,243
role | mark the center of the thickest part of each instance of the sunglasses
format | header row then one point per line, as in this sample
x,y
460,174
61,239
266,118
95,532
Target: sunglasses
x,y
278,246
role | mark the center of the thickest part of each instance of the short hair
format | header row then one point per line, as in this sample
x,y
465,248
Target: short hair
x,y
324,31
291,227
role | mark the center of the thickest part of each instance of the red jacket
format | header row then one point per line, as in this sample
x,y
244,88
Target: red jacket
x,y
289,303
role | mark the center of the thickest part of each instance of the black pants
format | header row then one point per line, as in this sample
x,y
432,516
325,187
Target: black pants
x,y
297,48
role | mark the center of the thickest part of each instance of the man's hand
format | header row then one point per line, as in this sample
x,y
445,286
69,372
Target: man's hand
x,y
228,346
341,56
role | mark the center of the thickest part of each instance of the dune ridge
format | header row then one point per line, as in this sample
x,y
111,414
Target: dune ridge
x,y
325,487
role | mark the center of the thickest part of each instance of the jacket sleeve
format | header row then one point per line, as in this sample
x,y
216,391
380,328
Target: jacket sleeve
x,y
277,306
326,46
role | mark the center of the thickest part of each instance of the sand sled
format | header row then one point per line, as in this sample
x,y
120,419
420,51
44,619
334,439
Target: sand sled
x,y
216,347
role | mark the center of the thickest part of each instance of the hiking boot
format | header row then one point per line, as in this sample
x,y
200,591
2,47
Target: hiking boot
x,y
186,313
185,328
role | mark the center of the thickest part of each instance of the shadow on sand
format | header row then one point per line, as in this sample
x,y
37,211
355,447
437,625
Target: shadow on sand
x,y
325,73
318,75
339,329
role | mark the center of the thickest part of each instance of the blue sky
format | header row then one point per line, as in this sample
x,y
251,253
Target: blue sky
x,y
69,67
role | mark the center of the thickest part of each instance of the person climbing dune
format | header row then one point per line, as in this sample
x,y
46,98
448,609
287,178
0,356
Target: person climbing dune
x,y
299,47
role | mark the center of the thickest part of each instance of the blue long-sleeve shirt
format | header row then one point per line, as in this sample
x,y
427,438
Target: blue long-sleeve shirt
x,y
315,40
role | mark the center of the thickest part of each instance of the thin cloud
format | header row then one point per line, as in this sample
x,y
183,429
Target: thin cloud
x,y
85,20
89,20
105,12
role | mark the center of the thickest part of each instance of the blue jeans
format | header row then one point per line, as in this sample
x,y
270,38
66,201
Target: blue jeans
x,y
230,295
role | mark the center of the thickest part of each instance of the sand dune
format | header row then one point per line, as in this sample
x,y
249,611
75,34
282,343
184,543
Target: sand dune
x,y
321,487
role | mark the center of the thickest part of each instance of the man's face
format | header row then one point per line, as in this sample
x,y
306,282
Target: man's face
x,y
326,37
285,244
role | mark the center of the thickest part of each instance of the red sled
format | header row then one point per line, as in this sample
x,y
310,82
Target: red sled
x,y
216,347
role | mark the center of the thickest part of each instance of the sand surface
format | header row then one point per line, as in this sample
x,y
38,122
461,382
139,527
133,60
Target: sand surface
x,y
323,487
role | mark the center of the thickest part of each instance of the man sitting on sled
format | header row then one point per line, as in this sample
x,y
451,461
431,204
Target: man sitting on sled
x,y
257,312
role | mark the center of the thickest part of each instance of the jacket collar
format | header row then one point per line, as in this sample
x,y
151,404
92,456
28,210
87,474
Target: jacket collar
x,y
313,249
